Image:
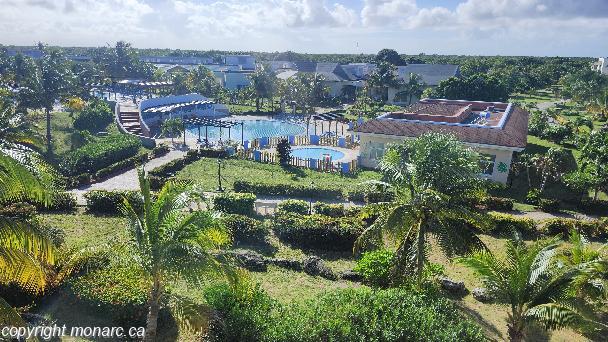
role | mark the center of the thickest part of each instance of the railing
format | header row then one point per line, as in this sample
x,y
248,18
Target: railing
x,y
323,164
324,140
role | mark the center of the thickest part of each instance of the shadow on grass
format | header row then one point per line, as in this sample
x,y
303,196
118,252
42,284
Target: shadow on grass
x,y
488,327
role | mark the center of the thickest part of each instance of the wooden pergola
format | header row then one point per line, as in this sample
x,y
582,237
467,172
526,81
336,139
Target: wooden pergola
x,y
208,122
329,117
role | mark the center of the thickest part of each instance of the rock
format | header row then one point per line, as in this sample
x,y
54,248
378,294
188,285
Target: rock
x,y
250,260
482,295
352,276
287,263
452,286
314,266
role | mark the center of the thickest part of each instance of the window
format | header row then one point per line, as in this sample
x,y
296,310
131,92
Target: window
x,y
486,163
375,150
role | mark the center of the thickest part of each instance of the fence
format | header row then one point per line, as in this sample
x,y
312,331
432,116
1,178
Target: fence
x,y
324,140
324,165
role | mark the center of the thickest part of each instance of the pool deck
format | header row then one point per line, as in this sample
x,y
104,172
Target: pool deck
x,y
349,154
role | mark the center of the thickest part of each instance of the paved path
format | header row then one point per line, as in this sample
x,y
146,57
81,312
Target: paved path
x,y
126,180
549,104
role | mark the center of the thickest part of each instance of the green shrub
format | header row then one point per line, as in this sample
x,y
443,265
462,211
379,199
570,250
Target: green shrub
x,y
334,210
117,292
318,231
122,165
160,150
235,203
245,229
362,314
110,202
533,196
290,190
61,201
17,210
592,228
498,203
591,206
94,117
505,224
375,267
99,154
294,206
371,192
548,205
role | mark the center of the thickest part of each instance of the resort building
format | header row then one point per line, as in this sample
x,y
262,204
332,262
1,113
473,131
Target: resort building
x,y
493,129
337,79
601,65
245,62
430,74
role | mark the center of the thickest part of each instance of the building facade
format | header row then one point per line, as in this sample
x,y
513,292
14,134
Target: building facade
x,y
601,65
495,130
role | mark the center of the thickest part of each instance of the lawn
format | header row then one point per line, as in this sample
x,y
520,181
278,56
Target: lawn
x,y
204,172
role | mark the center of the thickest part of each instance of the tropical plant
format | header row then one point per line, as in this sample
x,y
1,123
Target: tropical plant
x,y
551,165
594,156
284,152
263,85
172,128
537,289
169,243
432,177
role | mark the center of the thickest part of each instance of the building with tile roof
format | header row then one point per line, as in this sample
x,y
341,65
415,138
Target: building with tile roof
x,y
431,75
494,129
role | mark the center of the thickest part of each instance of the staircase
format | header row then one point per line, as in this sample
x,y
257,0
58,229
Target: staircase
x,y
130,121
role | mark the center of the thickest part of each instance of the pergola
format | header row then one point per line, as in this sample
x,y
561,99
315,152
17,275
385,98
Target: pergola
x,y
208,122
183,105
328,117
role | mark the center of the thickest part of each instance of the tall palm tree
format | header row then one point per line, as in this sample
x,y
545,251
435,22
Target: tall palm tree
x,y
24,250
169,243
537,289
432,177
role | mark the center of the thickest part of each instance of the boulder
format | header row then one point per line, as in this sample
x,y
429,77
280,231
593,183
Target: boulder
x,y
482,295
250,260
352,276
452,286
314,266
286,263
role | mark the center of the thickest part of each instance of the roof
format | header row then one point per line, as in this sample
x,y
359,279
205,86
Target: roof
x,y
512,134
431,74
332,72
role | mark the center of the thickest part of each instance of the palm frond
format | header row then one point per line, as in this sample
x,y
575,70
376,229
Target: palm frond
x,y
8,315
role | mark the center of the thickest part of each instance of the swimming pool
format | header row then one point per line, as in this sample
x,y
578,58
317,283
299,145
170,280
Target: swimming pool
x,y
252,129
316,153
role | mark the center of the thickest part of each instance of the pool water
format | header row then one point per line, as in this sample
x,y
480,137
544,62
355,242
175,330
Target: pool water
x,y
316,153
252,129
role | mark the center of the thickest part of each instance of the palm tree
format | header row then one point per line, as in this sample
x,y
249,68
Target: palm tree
x,y
24,250
537,289
432,177
168,242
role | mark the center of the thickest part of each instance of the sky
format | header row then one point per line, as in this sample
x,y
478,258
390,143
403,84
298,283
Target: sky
x,y
464,27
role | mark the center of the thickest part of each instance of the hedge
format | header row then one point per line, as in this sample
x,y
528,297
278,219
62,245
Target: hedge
x,y
292,190
318,231
245,229
548,205
128,163
591,228
591,206
294,206
235,203
99,154
498,203
160,150
370,193
61,201
110,202
160,175
334,210
505,224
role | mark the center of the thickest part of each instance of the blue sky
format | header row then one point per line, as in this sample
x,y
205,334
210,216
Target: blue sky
x,y
474,27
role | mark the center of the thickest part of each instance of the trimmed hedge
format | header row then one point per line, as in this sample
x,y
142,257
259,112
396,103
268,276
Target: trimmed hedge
x,y
97,155
235,203
128,163
505,224
591,206
318,231
292,190
333,210
370,193
548,205
498,203
294,206
160,150
110,202
593,228
245,229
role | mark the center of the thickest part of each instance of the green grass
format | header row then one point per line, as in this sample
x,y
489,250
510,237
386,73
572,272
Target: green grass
x,y
204,172
235,109
84,230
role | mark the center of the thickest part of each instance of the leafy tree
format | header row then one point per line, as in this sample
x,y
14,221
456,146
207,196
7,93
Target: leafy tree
x,y
201,80
433,177
599,103
583,86
284,151
594,155
479,87
389,56
364,105
535,287
172,128
551,165
168,243
263,85
94,117
384,77
413,87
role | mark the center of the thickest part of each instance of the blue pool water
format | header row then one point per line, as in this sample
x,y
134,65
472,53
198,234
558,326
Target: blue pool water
x,y
252,129
316,153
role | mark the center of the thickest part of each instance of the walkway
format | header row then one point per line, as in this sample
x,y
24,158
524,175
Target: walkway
x,y
126,180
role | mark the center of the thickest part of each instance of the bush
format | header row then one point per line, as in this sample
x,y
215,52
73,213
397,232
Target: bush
x,y
294,206
61,201
245,229
160,150
235,203
333,210
99,154
593,228
533,196
117,292
318,231
591,206
375,267
371,192
291,190
110,202
20,210
548,205
505,224
498,203
128,163
94,117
